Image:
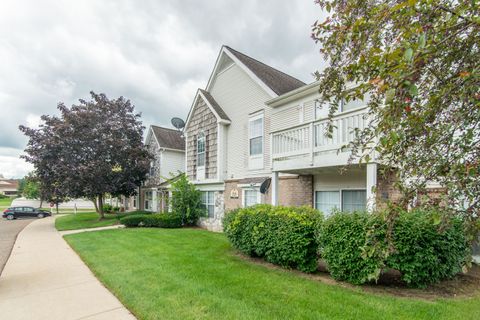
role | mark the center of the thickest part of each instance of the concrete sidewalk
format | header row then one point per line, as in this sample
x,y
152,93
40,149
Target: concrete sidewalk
x,y
45,279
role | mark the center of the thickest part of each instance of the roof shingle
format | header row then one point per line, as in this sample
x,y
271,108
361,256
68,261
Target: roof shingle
x,y
215,105
276,80
169,138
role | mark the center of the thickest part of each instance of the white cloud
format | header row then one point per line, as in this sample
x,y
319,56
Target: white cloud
x,y
156,53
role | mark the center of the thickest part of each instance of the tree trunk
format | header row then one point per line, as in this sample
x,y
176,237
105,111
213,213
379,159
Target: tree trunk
x,y
94,200
100,207
41,202
56,207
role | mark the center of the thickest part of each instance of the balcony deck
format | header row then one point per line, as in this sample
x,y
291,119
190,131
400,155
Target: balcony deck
x,y
307,146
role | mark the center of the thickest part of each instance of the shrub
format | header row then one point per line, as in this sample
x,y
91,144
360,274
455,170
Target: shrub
x,y
353,246
116,209
186,200
107,207
134,220
164,220
282,235
429,246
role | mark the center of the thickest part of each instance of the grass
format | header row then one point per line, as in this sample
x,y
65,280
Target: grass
x,y
5,203
195,274
85,220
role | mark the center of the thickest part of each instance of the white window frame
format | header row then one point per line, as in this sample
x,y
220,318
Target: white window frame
x,y
259,196
207,203
201,169
341,196
255,162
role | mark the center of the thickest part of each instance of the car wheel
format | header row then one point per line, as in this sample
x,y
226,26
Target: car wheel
x,y
10,217
40,215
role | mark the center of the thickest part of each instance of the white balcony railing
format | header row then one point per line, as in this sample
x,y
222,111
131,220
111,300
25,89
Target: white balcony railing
x,y
311,138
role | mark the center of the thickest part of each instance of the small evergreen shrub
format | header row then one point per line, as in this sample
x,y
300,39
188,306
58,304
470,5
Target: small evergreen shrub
x,y
163,220
353,246
429,247
282,235
134,220
107,208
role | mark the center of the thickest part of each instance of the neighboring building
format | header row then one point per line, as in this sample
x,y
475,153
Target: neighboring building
x,y
168,148
8,187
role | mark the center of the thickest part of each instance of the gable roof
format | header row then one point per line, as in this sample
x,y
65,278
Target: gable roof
x,y
168,138
276,80
211,104
214,105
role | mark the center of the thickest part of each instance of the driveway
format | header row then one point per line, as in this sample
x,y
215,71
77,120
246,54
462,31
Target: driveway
x,y
8,234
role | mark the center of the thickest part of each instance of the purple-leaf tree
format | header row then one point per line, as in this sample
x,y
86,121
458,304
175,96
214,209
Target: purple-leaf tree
x,y
92,148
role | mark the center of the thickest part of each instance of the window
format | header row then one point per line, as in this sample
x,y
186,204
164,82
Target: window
x,y
354,200
152,169
208,203
201,150
250,198
327,201
256,136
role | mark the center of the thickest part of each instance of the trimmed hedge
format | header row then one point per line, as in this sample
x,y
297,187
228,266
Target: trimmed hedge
x,y
352,245
282,235
428,247
162,220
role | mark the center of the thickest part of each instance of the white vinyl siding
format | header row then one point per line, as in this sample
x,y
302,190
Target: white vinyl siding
x,y
172,163
208,202
327,201
239,96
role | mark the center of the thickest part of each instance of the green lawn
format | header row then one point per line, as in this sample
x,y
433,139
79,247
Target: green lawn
x,y
195,274
84,220
5,203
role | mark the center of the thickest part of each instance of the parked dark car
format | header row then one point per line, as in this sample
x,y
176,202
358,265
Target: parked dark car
x,y
23,212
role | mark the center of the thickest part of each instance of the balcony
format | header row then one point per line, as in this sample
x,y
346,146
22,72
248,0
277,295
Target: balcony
x,y
307,146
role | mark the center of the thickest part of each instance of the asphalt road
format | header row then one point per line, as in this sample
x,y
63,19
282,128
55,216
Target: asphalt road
x,y
8,234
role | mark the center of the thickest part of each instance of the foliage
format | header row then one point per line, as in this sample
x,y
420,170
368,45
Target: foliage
x,y
427,248
282,235
186,200
2,196
164,220
134,220
352,245
91,149
417,62
160,220
107,207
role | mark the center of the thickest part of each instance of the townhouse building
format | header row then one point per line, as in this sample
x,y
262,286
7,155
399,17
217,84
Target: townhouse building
x,y
168,148
257,135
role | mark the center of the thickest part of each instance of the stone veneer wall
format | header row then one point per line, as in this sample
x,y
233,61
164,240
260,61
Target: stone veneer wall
x,y
215,223
204,120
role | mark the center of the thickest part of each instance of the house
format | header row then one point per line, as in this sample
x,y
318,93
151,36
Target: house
x,y
168,147
8,187
254,125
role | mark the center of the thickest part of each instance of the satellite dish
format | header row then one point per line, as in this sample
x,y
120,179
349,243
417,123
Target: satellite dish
x,y
265,185
178,123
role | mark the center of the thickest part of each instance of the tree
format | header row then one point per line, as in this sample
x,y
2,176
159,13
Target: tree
x,y
418,62
31,189
186,200
91,149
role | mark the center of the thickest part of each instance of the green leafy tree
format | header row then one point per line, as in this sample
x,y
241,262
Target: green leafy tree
x,y
186,200
31,189
418,61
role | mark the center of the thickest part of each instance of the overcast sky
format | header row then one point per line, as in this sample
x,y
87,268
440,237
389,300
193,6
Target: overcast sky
x,y
156,53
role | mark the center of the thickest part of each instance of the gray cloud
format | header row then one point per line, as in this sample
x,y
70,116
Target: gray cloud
x,y
156,53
